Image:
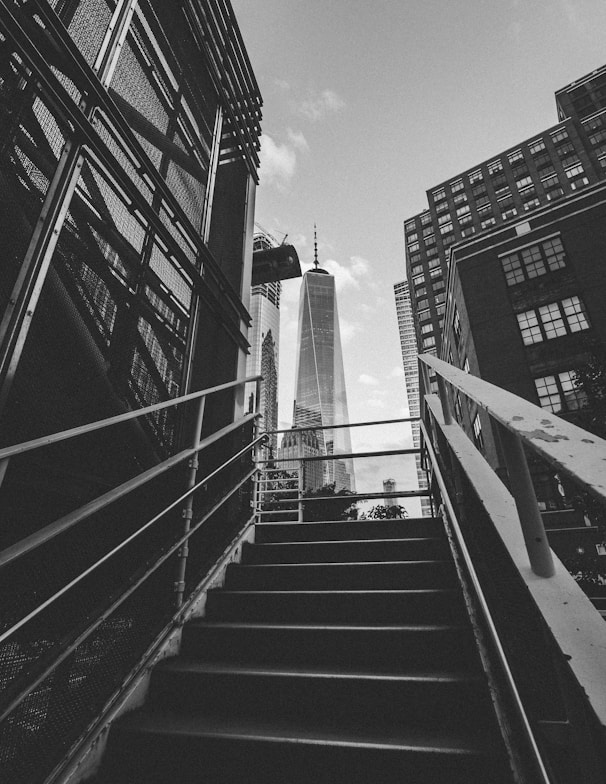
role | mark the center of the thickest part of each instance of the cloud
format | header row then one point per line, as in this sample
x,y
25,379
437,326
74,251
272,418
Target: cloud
x,y
364,378
397,372
348,274
348,330
282,84
318,106
297,140
278,163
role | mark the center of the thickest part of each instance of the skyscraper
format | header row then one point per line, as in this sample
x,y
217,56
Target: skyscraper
x,y
408,346
264,344
320,395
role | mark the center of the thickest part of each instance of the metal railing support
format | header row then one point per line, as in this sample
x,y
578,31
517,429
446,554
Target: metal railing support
x,y
445,401
300,489
525,499
188,508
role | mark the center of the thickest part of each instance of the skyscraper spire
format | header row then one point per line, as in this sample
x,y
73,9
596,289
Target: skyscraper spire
x,y
315,247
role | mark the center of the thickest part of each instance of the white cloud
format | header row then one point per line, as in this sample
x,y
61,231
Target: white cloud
x,y
364,378
348,330
318,106
298,140
282,84
278,162
347,274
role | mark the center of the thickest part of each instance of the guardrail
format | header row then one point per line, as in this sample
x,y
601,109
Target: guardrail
x,y
566,447
87,589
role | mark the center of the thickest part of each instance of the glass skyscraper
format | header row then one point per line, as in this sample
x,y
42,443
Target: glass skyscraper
x,y
320,395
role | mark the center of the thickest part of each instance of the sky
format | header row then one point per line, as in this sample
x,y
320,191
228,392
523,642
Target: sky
x,y
368,104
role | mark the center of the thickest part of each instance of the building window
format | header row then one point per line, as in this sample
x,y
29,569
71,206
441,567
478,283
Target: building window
x,y
439,298
439,195
580,182
518,155
457,186
477,433
559,392
530,205
429,342
533,261
413,247
426,329
575,172
523,182
536,146
446,228
554,194
487,223
501,192
460,198
443,219
412,237
433,263
410,226
598,137
420,291
479,190
456,326
565,149
485,209
427,231
422,303
494,167
559,136
468,231
425,219
476,176
464,210
552,321
550,182
417,269
509,213
437,273
442,207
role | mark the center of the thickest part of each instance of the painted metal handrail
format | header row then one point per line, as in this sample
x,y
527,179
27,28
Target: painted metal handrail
x,y
566,447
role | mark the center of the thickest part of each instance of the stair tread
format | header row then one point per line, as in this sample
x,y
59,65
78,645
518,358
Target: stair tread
x,y
356,591
406,739
370,564
410,627
341,542
181,664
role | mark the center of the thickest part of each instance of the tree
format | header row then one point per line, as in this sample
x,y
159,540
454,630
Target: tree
x,y
339,507
386,512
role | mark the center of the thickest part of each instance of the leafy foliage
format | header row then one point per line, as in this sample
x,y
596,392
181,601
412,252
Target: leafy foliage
x,y
386,512
337,508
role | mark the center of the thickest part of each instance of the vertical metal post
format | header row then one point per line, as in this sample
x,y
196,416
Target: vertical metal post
x,y
300,486
445,400
522,490
187,513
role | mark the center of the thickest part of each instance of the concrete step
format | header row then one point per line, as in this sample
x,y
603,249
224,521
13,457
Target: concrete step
x,y
350,529
395,648
441,605
163,749
321,700
417,548
341,576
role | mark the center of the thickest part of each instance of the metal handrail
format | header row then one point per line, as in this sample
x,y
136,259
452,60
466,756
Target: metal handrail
x,y
52,599
67,650
568,448
485,610
565,446
337,427
100,424
30,543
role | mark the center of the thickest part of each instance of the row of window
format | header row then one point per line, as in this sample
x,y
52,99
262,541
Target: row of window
x,y
552,320
533,261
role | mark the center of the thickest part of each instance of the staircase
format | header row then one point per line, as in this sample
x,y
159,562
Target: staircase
x,y
335,652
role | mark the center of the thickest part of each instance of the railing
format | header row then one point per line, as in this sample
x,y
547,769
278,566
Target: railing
x,y
287,492
88,597
545,640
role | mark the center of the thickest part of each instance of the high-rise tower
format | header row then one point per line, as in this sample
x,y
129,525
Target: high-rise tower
x,y
408,345
320,395
264,344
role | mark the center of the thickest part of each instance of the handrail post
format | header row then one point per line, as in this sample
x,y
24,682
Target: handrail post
x,y
444,400
525,499
300,486
187,513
